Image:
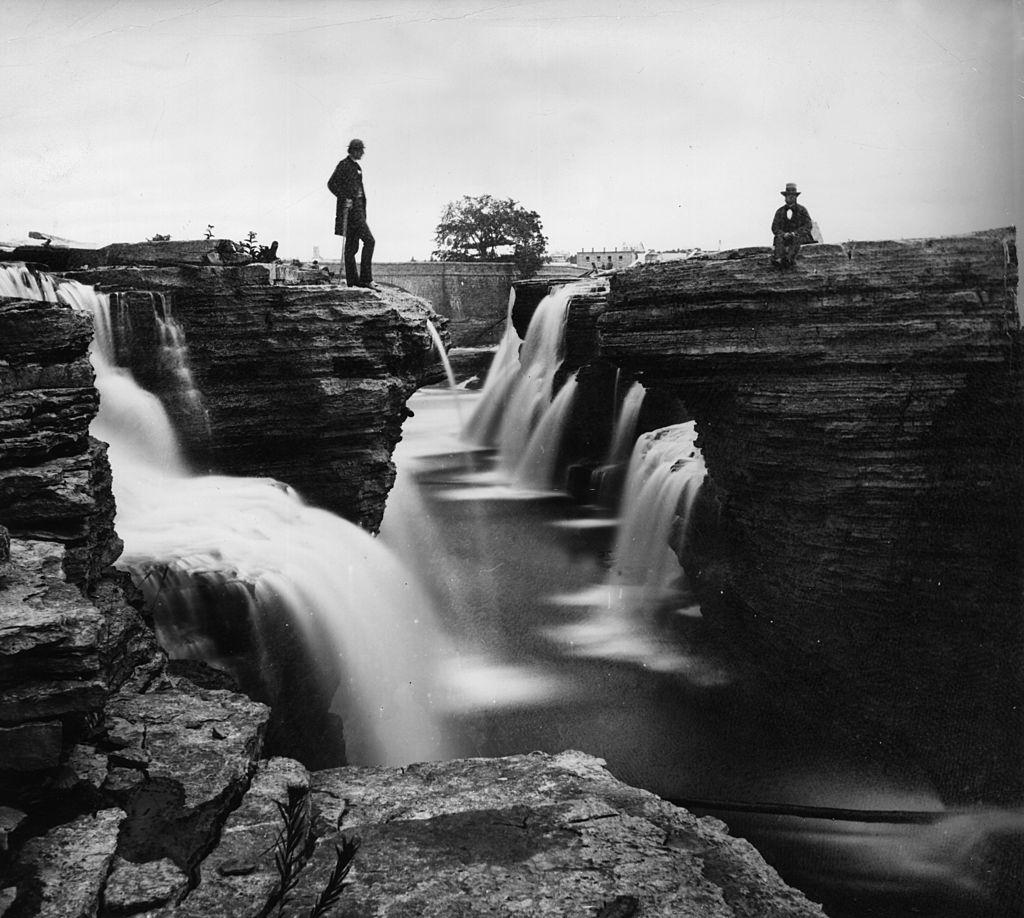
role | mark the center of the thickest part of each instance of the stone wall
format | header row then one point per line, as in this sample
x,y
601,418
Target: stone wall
x,y
473,296
862,419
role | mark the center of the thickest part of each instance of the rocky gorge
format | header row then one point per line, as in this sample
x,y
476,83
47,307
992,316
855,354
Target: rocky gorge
x,y
859,538
134,785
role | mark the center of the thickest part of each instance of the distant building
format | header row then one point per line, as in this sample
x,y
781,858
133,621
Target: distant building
x,y
608,259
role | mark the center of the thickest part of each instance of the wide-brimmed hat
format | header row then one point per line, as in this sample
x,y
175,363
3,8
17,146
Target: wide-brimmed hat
x,y
790,189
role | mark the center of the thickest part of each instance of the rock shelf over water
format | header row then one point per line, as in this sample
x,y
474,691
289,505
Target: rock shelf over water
x,y
862,420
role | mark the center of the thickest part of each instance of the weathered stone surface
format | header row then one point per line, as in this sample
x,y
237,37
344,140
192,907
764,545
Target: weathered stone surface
x,y
54,480
238,876
178,760
49,662
129,654
69,865
307,385
132,888
531,835
170,252
203,741
861,418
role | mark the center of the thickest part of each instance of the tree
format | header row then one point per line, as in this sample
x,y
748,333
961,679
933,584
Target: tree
x,y
473,229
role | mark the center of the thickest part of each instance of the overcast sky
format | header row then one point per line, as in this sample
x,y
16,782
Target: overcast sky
x,y
674,123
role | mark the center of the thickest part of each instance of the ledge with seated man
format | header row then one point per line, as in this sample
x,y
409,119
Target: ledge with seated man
x,y
792,227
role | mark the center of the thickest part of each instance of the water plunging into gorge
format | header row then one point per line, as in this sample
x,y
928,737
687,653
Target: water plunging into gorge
x,y
558,624
192,542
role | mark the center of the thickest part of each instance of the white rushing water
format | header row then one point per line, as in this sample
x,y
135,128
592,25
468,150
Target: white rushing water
x,y
519,411
256,535
665,472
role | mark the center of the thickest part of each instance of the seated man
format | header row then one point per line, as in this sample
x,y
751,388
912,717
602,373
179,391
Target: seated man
x,y
791,228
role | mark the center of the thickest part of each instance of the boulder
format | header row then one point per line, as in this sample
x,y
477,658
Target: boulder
x,y
534,835
69,865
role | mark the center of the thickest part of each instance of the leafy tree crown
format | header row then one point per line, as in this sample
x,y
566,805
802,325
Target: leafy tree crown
x,y
474,228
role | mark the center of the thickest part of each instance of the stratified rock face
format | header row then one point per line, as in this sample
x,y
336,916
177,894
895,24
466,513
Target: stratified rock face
x,y
307,385
54,479
861,418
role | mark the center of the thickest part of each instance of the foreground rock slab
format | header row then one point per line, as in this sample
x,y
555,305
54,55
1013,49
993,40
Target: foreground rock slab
x,y
530,835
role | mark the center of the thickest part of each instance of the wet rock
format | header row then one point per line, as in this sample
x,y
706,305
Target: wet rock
x,y
239,875
533,834
68,866
133,888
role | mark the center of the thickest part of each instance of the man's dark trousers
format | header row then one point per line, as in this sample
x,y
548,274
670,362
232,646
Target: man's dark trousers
x,y
358,232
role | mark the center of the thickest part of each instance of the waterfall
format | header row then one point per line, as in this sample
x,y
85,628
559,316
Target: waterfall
x,y
435,337
665,471
174,359
519,411
625,614
185,533
625,425
18,282
484,424
608,475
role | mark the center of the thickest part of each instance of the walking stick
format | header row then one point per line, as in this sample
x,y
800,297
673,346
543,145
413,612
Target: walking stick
x,y
344,235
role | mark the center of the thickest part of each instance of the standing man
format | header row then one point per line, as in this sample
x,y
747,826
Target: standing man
x,y
792,227
346,184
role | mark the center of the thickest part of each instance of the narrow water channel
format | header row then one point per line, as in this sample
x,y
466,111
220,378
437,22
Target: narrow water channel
x,y
544,660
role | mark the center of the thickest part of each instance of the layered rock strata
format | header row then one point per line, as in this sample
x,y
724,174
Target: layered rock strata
x,y
305,384
862,420
54,478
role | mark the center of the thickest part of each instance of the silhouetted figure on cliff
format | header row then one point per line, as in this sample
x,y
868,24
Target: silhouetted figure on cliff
x,y
792,227
346,184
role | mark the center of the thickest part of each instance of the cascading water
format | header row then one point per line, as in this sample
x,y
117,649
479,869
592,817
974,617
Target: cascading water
x,y
173,356
435,337
608,475
665,472
18,282
485,422
519,411
624,432
184,533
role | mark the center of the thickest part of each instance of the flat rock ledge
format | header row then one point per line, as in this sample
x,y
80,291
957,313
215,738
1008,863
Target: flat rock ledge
x,y
529,835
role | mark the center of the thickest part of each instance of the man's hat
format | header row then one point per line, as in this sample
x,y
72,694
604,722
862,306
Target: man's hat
x,y
790,189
